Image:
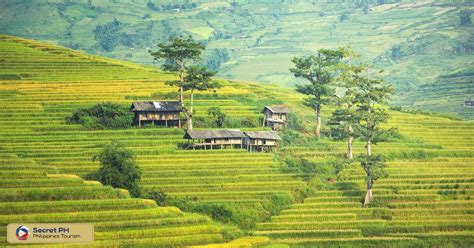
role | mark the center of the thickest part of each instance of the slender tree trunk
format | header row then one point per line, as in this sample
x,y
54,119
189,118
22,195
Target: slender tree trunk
x,y
369,130
369,148
368,196
181,97
350,139
190,115
318,121
181,91
350,131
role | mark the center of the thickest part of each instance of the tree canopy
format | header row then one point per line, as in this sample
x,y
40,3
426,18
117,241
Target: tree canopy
x,y
318,70
177,52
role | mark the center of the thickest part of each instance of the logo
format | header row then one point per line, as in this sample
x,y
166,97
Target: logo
x,y
22,233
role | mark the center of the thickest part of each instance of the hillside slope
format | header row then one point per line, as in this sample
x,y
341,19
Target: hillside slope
x,y
431,167
41,156
52,83
415,42
426,201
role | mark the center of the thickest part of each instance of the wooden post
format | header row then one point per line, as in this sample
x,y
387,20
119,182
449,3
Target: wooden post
x,y
139,122
166,123
179,122
264,118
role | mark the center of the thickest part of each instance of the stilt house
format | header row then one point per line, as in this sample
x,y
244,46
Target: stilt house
x,y
157,113
275,116
261,140
210,139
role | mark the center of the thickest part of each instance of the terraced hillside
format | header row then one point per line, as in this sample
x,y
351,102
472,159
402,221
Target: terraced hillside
x,y
48,196
43,84
427,198
460,81
414,42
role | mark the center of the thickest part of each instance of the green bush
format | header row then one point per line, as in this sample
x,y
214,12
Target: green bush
x,y
102,116
278,202
218,212
158,196
216,116
118,168
289,137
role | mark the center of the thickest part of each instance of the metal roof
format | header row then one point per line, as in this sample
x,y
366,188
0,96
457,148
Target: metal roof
x,y
165,106
269,135
278,109
212,134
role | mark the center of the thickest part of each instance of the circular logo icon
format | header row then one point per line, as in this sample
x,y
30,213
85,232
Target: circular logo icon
x,y
22,233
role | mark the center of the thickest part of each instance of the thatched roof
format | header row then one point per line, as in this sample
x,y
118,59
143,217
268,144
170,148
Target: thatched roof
x,y
166,106
268,135
278,109
213,134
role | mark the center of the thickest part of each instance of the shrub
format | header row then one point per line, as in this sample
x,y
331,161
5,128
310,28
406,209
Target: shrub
x,y
118,168
158,196
217,117
250,122
218,212
102,116
289,137
278,202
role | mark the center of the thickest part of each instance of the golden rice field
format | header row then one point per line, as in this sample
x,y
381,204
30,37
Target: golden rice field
x,y
426,201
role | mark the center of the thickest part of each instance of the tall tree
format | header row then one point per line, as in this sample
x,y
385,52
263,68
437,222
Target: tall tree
x,y
318,70
370,94
118,168
198,78
178,53
344,118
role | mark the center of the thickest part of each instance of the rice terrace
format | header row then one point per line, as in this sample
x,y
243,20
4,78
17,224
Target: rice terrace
x,y
236,123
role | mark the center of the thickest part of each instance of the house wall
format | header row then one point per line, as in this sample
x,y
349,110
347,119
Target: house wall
x,y
270,142
156,116
260,142
233,141
275,116
268,114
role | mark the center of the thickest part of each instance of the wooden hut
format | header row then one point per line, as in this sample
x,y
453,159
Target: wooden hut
x,y
165,113
215,139
275,116
261,140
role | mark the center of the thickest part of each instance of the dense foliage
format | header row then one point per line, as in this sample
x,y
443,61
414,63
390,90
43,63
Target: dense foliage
x,y
102,116
107,35
118,168
319,71
216,116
